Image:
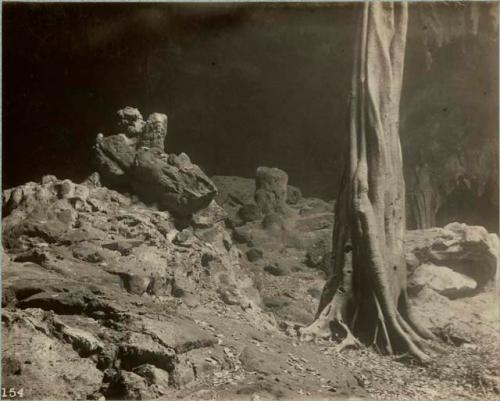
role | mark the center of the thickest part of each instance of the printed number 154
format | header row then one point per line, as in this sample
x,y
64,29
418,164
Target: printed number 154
x,y
12,392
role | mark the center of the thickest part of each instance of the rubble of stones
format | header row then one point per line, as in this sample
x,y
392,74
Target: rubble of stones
x,y
152,280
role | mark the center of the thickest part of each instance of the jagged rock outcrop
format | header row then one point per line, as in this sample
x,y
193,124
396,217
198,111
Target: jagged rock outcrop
x,y
90,273
46,223
136,162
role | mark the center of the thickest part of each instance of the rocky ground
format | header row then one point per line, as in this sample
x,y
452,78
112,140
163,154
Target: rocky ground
x,y
174,285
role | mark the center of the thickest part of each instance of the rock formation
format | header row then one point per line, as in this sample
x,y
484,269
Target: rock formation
x,y
246,199
469,250
271,188
136,162
89,273
122,239
155,131
114,156
172,182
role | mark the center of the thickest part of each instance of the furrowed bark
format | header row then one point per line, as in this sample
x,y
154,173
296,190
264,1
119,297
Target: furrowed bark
x,y
368,274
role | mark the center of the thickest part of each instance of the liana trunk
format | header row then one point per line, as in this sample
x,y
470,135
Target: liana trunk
x,y
365,295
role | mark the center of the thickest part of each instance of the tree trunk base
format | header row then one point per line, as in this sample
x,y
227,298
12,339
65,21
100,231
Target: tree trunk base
x,y
389,335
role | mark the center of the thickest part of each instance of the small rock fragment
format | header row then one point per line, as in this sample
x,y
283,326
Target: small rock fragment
x,y
249,212
276,270
254,254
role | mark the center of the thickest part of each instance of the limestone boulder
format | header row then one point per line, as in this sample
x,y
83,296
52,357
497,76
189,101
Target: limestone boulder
x,y
468,250
135,162
172,182
441,279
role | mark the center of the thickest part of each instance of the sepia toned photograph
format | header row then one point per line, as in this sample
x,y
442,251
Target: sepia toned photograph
x,y
250,201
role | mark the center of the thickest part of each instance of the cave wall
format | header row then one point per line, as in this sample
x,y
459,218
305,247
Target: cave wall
x,y
449,126
246,85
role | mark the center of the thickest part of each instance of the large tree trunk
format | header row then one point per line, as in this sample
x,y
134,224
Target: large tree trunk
x,y
365,295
